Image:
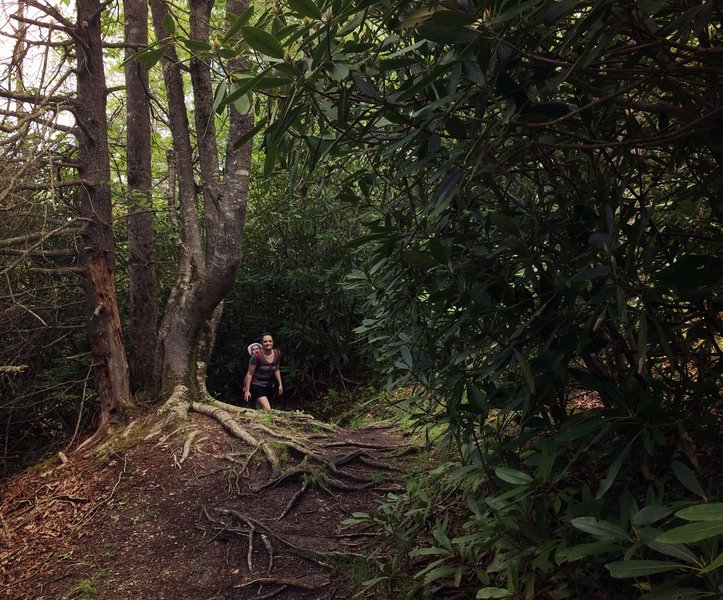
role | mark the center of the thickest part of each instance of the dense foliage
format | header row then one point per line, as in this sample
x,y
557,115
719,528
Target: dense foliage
x,y
296,258
44,363
542,182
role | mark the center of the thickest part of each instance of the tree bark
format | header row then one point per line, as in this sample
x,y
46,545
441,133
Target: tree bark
x,y
207,272
97,255
142,272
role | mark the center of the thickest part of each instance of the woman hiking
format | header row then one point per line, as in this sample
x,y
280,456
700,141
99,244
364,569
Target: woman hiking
x,y
263,372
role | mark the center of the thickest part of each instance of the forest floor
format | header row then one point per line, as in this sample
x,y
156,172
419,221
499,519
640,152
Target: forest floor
x,y
134,518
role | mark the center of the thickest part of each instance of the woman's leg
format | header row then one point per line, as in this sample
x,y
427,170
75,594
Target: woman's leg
x,y
264,402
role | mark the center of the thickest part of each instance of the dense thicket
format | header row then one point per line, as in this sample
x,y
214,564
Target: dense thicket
x,y
292,284
542,182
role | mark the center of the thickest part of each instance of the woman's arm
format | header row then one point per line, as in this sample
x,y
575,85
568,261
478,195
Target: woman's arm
x,y
279,385
247,382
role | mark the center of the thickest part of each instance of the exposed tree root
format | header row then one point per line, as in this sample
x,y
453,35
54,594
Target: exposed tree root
x,y
282,416
294,499
353,476
345,487
353,444
310,555
273,594
175,408
235,429
290,474
404,452
372,462
187,446
250,552
129,428
334,466
302,583
270,550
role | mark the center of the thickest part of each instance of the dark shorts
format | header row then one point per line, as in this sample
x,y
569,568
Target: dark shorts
x,y
257,391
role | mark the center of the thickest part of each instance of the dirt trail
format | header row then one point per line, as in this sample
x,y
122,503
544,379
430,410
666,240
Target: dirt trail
x,y
142,522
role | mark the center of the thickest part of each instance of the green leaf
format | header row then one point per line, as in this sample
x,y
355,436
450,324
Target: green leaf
x,y
434,551
406,356
238,21
649,515
512,476
674,593
270,160
702,512
453,17
372,582
603,530
687,478
476,396
613,471
456,127
262,41
196,45
149,58
439,572
169,23
493,592
447,34
418,259
584,550
714,565
641,568
243,105
219,96
244,86
306,8
526,371
266,83
559,10
250,134
364,86
515,9
678,551
339,72
692,532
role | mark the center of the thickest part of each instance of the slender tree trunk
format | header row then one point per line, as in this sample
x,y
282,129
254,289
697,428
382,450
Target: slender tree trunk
x,y
191,260
97,255
206,272
142,272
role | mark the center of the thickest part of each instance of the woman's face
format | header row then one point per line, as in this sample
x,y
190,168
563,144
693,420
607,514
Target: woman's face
x,y
268,342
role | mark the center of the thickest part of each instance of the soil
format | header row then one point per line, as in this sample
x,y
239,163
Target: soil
x,y
132,518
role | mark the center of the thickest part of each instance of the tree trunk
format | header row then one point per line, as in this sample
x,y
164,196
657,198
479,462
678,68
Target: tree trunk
x,y
207,272
97,255
142,272
191,261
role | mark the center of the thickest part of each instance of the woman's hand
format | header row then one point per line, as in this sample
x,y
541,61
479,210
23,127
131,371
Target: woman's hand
x,y
247,395
280,389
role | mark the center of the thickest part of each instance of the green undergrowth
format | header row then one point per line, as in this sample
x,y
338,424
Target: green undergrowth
x,y
281,449
87,589
479,524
